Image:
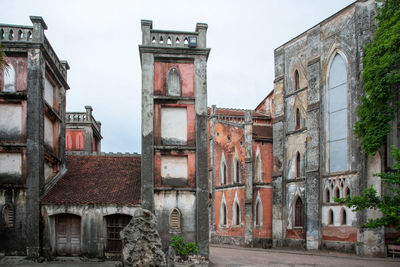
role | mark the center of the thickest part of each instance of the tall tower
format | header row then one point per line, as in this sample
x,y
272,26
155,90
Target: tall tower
x,y
174,131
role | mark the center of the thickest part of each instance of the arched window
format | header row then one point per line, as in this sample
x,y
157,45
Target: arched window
x,y
296,80
298,118
223,171
330,217
223,212
337,115
258,211
173,82
8,215
224,175
258,168
69,142
347,192
236,214
257,215
9,79
298,215
175,221
298,170
337,192
344,217
327,195
238,171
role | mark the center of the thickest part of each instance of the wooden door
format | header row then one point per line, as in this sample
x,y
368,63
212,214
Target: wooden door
x,y
68,234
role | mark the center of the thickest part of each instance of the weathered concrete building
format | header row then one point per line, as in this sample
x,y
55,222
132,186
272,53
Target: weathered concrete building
x,y
32,131
316,156
82,131
174,131
240,175
86,209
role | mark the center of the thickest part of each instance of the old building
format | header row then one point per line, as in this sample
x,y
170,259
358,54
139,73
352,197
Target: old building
x,y
82,131
240,173
316,156
174,131
86,209
32,130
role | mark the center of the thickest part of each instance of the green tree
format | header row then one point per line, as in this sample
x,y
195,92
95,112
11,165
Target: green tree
x,y
381,79
389,204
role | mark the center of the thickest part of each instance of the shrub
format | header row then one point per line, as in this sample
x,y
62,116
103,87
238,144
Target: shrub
x,y
182,248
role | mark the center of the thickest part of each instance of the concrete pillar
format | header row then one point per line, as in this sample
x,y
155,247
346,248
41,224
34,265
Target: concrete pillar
x,y
147,165
38,29
312,190
35,148
211,168
147,25
248,176
200,84
201,28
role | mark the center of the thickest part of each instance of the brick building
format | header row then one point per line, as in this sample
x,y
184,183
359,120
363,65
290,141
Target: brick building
x,y
240,175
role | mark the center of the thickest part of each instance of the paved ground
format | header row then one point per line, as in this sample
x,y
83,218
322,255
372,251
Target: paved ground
x,y
228,256
234,257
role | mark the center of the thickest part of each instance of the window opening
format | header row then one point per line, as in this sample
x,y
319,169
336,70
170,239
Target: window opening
x,y
298,213
298,117
296,80
115,224
298,174
330,217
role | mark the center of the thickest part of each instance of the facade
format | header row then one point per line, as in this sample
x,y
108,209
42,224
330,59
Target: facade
x,y
174,131
82,131
86,209
240,171
32,131
317,88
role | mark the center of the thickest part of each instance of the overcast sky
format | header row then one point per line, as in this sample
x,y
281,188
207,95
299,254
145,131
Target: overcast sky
x,y
100,39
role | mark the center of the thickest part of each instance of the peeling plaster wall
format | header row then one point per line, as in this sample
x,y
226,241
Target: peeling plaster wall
x,y
311,53
93,225
11,121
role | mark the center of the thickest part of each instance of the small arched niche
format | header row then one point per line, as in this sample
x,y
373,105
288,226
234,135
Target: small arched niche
x,y
173,82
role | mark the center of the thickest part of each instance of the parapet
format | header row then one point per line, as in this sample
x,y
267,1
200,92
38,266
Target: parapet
x,y
174,39
104,154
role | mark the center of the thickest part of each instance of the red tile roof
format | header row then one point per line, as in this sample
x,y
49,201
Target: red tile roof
x,y
237,112
262,132
98,179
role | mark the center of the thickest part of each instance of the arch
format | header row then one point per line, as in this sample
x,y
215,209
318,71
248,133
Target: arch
x,y
347,192
238,169
258,211
9,79
296,80
298,162
236,213
298,119
343,217
115,223
331,218
337,192
173,82
336,114
258,166
327,195
235,173
223,212
175,221
298,213
8,215
223,173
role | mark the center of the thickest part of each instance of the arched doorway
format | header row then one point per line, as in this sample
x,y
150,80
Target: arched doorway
x,y
68,234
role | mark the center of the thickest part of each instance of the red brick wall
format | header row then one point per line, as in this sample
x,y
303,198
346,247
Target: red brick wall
x,y
265,230
229,230
186,71
71,140
266,158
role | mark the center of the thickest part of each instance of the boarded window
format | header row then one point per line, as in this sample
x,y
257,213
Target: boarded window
x,y
9,79
298,173
174,167
175,221
174,126
115,224
298,216
173,82
296,80
337,115
8,216
48,92
298,118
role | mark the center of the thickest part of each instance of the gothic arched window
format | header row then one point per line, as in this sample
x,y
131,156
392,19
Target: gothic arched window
x,y
296,80
9,79
298,213
173,82
175,221
298,118
337,115
298,170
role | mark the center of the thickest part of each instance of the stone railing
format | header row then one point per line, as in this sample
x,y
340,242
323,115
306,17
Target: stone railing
x,y
81,117
171,38
15,33
54,57
230,118
23,34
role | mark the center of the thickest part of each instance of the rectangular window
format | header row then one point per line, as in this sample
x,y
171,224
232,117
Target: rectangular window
x,y
48,92
174,126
